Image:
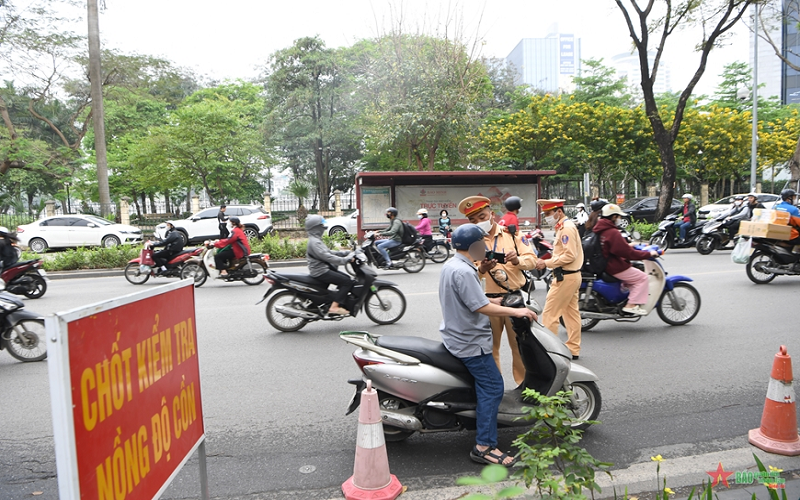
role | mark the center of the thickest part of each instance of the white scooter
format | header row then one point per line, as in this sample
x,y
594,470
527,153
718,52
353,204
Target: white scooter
x,y
250,269
423,388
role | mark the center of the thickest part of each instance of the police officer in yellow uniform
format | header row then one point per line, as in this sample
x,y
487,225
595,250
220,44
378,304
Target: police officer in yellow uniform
x,y
566,263
517,256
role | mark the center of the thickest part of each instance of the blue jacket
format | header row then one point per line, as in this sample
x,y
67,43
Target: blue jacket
x,y
787,207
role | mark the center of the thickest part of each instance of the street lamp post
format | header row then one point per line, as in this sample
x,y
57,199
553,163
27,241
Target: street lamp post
x,y
754,143
66,186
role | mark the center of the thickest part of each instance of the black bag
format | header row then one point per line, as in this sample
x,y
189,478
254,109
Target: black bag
x,y
593,259
410,234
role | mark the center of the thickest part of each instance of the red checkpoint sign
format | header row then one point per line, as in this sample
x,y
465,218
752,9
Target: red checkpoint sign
x,y
127,410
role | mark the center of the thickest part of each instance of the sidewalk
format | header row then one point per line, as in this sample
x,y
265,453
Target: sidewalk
x,y
106,273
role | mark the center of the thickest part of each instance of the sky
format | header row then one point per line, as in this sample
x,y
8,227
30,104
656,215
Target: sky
x,y
232,39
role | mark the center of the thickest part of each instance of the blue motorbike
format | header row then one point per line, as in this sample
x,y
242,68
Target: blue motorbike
x,y
676,301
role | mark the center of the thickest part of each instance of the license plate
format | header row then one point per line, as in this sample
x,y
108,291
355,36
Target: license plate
x,y
41,272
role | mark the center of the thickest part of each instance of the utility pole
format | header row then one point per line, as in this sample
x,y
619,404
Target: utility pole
x,y
98,115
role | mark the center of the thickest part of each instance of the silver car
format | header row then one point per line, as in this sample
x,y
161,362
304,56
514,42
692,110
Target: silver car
x,y
75,230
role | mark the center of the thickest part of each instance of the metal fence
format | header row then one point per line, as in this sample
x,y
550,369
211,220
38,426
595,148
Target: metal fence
x,y
284,209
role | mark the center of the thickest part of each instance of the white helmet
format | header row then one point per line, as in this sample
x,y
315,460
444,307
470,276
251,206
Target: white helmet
x,y
422,211
687,196
580,205
612,209
3,230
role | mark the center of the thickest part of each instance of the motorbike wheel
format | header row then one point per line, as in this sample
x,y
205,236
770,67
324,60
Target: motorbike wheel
x,y
439,253
280,321
134,275
661,240
758,261
194,272
706,244
385,306
392,403
415,261
258,278
38,286
586,404
27,340
679,306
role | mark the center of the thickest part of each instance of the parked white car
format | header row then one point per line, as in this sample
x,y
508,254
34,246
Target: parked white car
x,y
62,231
345,224
718,207
204,225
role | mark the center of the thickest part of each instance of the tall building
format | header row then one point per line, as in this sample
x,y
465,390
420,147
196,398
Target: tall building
x,y
549,63
627,65
776,78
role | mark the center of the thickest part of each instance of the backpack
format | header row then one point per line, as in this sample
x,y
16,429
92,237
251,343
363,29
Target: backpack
x,y
410,234
593,259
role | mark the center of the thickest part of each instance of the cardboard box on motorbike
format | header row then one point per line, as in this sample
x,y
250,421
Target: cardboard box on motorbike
x,y
765,230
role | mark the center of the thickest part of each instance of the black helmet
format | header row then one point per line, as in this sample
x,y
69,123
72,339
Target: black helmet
x,y
788,194
598,204
234,220
466,235
513,203
392,210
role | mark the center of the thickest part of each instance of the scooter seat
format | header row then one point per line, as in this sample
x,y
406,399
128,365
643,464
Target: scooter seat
x,y
427,351
608,278
305,278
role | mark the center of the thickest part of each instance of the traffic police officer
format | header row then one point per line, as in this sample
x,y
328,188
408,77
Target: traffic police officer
x,y
566,263
517,256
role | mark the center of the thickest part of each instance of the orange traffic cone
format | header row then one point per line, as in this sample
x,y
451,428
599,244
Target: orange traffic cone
x,y
778,431
371,479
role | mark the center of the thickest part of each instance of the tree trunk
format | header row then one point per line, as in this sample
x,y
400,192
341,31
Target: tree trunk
x,y
98,114
166,200
144,203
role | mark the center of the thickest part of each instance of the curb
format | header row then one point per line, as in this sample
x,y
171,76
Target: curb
x,y
116,272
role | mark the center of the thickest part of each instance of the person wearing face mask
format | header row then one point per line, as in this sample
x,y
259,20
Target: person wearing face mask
x,y
518,257
566,263
424,229
444,223
393,236
620,255
735,215
467,334
580,219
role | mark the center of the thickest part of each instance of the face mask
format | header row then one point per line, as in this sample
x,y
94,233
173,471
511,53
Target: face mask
x,y
388,216
550,220
485,225
618,222
477,251
419,216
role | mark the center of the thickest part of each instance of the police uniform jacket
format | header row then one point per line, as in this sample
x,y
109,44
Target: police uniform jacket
x,y
505,243
567,248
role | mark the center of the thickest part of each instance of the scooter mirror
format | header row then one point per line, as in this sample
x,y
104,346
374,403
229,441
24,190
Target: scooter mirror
x,y
500,275
513,300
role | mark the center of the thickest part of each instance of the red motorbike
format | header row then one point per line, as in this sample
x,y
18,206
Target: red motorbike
x,y
141,269
26,278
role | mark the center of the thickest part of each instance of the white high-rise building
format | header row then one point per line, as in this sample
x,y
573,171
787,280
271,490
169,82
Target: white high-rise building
x,y
627,65
547,64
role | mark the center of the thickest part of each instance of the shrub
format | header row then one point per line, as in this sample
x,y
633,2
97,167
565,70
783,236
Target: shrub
x,y
646,229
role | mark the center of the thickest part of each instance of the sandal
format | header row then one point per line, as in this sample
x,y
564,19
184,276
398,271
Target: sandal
x,y
480,457
339,311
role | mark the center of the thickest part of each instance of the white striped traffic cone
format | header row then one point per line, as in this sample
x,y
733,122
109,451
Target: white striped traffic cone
x,y
778,431
371,479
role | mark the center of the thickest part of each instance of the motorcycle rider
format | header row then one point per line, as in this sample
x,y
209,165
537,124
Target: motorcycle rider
x,y
733,217
580,219
513,205
8,254
752,204
688,219
394,234
238,247
787,203
424,229
466,333
172,243
620,255
518,257
596,205
322,263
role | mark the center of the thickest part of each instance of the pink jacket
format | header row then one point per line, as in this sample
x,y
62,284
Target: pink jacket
x,y
424,227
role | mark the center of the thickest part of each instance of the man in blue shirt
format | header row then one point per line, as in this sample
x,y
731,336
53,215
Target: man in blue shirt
x,y
787,203
467,334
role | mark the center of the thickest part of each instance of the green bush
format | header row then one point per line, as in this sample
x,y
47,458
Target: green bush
x,y
646,229
87,258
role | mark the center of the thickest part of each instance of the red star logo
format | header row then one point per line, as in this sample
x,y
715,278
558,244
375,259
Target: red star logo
x,y
719,475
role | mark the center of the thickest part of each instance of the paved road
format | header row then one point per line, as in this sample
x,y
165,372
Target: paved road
x,y
274,402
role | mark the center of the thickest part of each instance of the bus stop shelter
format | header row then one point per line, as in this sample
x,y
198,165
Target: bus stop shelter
x,y
437,191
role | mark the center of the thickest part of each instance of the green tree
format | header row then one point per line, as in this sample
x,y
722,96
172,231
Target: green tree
x,y
599,83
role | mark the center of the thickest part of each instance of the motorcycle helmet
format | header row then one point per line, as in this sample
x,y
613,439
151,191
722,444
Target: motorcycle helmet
x,y
687,196
513,203
422,211
598,204
313,221
3,230
466,235
610,210
580,205
788,195
392,210
235,221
